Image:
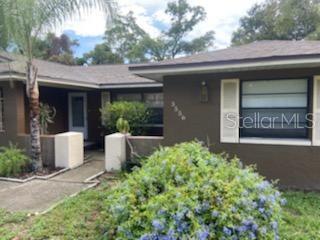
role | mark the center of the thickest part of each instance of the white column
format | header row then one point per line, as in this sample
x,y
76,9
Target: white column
x,y
69,149
115,151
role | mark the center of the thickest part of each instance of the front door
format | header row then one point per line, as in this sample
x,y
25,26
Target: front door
x,y
78,113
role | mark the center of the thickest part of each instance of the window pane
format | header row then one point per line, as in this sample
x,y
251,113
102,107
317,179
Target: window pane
x,y
77,112
274,133
276,108
154,100
276,115
129,97
275,86
274,100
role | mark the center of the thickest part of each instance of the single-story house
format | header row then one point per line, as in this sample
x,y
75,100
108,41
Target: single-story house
x,y
259,101
76,92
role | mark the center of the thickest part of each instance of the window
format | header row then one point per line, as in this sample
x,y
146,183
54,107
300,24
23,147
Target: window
x,y
274,108
1,110
129,97
154,100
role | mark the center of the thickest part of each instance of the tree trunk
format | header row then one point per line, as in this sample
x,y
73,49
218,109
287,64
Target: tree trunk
x,y
34,105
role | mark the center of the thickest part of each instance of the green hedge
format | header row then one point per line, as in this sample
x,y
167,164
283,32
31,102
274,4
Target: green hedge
x,y
185,192
13,161
136,113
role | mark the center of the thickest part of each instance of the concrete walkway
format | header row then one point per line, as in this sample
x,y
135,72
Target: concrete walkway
x,y
40,195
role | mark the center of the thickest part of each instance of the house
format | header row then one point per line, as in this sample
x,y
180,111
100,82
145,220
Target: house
x,y
76,92
259,101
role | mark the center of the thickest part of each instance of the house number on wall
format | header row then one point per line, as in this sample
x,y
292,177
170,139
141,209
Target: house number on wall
x,y
178,111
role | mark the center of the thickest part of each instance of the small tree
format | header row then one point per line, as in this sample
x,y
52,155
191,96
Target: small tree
x,y
47,114
135,113
21,23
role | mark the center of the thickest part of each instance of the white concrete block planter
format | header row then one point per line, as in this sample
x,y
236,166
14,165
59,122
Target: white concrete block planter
x,y
69,150
115,151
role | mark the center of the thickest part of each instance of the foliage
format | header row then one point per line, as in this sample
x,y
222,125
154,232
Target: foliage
x,y
126,41
102,54
6,219
55,49
185,192
73,219
47,114
279,20
13,161
301,216
76,218
24,21
124,38
136,113
123,126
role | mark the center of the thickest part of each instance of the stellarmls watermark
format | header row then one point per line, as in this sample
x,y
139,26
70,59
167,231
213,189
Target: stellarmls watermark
x,y
258,120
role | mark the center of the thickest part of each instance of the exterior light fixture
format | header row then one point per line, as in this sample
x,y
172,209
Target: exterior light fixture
x,y
204,96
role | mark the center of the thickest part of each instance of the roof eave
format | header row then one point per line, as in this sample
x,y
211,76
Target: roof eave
x,y
157,74
46,81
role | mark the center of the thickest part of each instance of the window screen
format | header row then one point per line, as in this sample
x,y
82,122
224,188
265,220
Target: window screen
x,y
274,108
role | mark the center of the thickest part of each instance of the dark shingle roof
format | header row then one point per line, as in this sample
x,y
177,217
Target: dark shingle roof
x,y
98,75
253,51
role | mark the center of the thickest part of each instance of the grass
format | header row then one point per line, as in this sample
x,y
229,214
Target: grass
x,y
301,216
76,218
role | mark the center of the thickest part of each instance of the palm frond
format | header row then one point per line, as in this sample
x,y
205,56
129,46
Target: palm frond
x,y
24,20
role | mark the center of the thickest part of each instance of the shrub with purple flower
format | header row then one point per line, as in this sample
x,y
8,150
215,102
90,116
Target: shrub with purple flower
x,y
185,192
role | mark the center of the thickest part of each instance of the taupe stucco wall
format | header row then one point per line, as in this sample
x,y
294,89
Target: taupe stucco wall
x,y
13,112
294,166
144,146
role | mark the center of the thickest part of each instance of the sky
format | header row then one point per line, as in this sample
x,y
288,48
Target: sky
x,y
222,17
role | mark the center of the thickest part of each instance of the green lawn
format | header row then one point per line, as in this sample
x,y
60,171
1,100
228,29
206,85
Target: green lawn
x,y
76,218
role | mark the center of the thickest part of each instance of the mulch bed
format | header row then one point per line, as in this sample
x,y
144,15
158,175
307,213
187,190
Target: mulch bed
x,y
42,173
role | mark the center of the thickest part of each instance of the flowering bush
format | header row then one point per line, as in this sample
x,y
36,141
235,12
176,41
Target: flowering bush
x,y
185,192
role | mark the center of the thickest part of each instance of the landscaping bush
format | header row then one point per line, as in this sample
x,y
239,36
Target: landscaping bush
x,y
136,113
13,161
185,192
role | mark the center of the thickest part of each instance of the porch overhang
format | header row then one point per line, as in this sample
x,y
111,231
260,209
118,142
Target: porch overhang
x,y
157,72
63,83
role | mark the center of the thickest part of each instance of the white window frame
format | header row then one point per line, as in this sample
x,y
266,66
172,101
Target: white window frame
x,y
2,129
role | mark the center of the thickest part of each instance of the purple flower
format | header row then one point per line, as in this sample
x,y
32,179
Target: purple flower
x,y
283,201
162,212
254,227
252,235
227,231
261,210
203,234
158,225
182,227
263,230
215,213
242,229
205,206
146,237
274,225
263,185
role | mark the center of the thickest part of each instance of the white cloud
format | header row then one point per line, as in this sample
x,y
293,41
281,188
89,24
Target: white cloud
x,y
222,17
92,23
